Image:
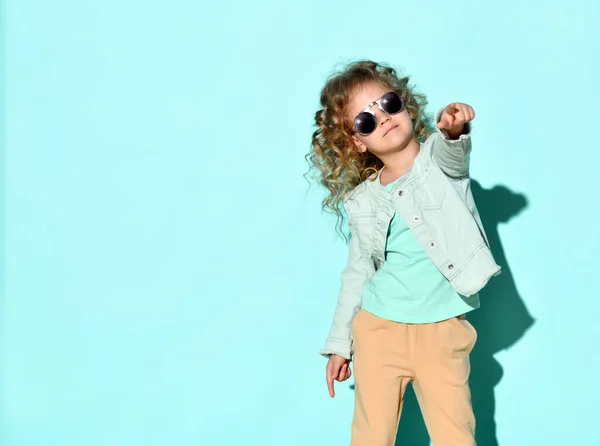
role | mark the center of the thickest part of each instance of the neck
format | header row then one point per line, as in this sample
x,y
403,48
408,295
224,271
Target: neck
x,y
398,163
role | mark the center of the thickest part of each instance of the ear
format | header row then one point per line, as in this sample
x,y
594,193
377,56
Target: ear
x,y
359,145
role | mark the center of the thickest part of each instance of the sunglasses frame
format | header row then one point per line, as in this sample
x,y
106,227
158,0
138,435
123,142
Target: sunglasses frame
x,y
378,102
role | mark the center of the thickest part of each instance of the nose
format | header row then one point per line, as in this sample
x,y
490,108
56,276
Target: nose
x,y
382,117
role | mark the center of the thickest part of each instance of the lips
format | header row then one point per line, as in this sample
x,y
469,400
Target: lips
x,y
390,129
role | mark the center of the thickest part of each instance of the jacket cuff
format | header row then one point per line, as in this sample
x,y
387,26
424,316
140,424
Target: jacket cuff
x,y
340,348
465,134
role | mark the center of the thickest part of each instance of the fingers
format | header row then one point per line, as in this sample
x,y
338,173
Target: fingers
x,y
330,374
341,375
448,116
451,109
337,369
445,122
345,372
470,113
455,114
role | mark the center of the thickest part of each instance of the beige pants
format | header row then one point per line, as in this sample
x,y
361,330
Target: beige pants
x,y
435,357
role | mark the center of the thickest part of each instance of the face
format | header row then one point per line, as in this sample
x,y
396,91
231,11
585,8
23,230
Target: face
x,y
393,132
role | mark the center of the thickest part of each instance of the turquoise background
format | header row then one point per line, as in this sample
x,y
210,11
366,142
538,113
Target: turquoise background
x,y
167,276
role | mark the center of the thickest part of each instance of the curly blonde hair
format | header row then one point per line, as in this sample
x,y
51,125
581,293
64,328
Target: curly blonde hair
x,y
340,167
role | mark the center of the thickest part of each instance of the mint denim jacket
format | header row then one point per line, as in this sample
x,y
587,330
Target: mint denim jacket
x,y
437,204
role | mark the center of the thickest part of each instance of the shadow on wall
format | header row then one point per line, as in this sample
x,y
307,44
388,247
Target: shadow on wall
x,y
500,322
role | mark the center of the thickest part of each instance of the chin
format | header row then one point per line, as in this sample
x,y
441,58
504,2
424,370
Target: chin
x,y
398,137
399,143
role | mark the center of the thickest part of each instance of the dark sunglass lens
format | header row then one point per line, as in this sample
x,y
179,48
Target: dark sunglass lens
x,y
391,102
364,123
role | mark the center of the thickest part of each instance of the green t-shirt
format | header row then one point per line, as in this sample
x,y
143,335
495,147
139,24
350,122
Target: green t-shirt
x,y
408,287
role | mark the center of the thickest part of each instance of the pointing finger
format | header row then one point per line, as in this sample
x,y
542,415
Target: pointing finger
x,y
330,386
445,121
330,380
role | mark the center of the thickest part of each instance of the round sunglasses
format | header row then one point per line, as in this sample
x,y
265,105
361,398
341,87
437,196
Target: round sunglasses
x,y
365,122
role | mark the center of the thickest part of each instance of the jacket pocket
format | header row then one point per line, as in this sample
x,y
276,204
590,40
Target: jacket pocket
x,y
431,189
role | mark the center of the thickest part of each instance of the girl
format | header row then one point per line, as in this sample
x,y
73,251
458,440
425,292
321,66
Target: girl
x,y
418,253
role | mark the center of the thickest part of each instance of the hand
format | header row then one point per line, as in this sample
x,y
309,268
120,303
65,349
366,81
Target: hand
x,y
454,117
338,368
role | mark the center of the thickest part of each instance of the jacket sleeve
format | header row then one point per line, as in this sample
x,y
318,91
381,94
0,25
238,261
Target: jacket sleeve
x,y
354,277
452,155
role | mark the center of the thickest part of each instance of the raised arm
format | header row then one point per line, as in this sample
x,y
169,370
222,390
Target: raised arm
x,y
451,147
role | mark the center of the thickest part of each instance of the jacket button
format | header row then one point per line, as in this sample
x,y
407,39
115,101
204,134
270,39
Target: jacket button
x,y
432,244
401,193
416,218
450,266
